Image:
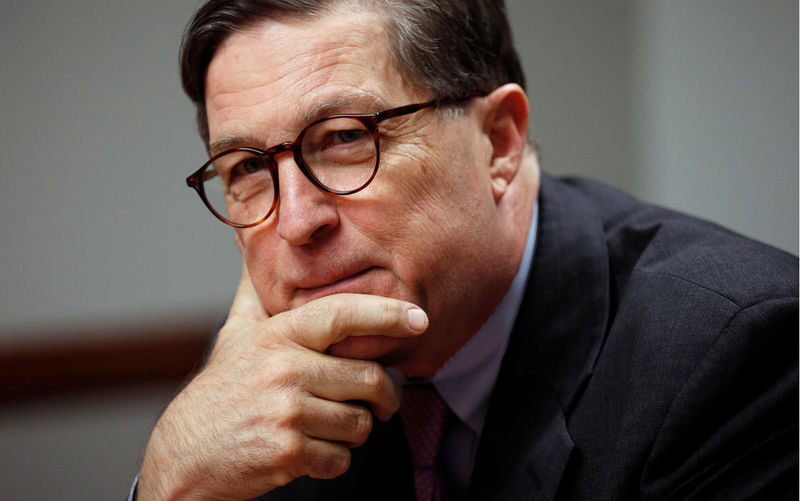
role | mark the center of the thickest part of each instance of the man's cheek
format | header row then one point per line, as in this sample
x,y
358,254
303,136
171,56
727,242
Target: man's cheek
x,y
265,284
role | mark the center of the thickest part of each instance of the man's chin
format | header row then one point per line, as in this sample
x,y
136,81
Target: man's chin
x,y
366,347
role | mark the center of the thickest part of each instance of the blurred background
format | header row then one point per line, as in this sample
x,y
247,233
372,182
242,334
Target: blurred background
x,y
113,274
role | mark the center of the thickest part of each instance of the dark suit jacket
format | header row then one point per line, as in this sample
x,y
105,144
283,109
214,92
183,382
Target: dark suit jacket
x,y
654,357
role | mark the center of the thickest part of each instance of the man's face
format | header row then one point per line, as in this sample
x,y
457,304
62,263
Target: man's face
x,y
422,231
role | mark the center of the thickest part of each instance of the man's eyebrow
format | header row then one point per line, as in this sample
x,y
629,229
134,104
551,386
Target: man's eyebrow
x,y
347,102
351,102
229,142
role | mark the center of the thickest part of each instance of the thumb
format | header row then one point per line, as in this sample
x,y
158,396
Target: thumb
x,y
246,302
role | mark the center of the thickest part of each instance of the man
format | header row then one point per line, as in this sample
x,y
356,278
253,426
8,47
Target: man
x,y
402,250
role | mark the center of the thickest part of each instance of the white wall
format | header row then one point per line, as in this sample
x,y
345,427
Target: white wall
x,y
685,103
97,137
717,83
578,59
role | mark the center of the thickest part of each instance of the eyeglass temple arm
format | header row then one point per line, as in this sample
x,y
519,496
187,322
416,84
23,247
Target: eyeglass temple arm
x,y
411,108
403,110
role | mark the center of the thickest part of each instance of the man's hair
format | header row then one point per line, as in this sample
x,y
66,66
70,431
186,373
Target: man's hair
x,y
454,48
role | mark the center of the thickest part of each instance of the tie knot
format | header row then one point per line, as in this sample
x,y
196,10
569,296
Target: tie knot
x,y
423,413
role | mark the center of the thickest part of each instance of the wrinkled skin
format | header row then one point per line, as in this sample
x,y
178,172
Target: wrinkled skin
x,y
334,289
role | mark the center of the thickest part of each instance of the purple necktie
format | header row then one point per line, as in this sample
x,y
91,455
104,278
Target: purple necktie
x,y
423,413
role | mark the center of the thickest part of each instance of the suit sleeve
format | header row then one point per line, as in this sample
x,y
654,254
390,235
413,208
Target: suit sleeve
x,y
732,431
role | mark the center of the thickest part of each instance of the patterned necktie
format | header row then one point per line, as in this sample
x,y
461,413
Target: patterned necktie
x,y
423,413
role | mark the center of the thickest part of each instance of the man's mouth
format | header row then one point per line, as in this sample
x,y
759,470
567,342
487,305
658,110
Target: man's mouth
x,y
354,283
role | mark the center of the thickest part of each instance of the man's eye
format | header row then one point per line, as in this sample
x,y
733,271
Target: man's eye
x,y
249,166
351,135
235,167
342,137
245,169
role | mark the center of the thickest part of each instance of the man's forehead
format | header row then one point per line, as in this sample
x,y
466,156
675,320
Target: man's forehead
x,y
291,72
294,44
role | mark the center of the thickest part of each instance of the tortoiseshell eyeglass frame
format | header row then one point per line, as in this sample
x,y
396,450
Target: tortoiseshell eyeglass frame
x,y
369,120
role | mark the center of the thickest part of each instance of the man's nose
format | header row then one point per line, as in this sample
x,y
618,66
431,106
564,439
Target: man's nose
x,y
305,213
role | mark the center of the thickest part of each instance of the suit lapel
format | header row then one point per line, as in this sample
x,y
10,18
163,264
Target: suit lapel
x,y
558,334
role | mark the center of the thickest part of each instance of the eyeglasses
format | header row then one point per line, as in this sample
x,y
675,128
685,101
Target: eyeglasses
x,y
339,154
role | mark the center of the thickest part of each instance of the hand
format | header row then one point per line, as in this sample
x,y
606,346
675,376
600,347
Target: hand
x,y
270,405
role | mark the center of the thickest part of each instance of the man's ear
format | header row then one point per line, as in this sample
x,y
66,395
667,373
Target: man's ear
x,y
506,126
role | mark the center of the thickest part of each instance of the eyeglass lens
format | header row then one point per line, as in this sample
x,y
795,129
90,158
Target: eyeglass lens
x,y
339,153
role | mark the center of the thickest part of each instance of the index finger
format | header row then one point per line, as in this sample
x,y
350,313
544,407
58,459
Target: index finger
x,y
328,320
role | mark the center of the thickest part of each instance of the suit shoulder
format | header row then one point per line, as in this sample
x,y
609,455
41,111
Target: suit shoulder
x,y
644,238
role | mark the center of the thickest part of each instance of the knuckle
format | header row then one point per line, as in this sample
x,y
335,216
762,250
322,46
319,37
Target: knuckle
x,y
340,463
362,424
326,466
388,313
390,310
293,413
275,373
281,478
372,377
293,323
290,452
341,312
330,314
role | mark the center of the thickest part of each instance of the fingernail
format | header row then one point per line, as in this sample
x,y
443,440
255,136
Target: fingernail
x,y
417,319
